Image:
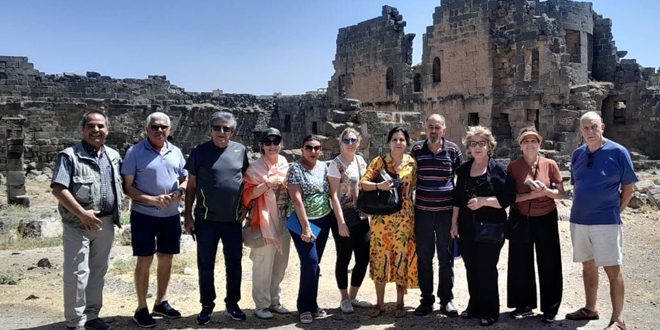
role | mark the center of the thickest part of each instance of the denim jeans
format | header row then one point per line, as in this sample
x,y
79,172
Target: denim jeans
x,y
431,234
310,258
209,233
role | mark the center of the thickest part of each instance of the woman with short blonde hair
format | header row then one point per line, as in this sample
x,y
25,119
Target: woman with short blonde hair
x,y
483,191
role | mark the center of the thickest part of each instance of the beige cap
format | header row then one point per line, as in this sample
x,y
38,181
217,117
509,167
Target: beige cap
x,y
527,131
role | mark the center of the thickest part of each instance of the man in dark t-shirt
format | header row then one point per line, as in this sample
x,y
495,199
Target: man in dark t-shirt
x,y
215,184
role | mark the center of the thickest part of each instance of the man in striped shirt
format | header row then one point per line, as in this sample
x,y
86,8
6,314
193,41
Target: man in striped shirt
x,y
437,159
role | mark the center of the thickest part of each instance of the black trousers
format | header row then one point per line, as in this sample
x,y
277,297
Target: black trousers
x,y
543,235
480,261
356,243
431,234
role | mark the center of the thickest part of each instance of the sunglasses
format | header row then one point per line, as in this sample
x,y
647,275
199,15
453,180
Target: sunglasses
x,y
269,143
481,144
349,141
590,159
224,129
312,148
157,127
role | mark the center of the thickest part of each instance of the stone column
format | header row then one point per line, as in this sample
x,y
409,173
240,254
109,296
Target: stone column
x,y
12,138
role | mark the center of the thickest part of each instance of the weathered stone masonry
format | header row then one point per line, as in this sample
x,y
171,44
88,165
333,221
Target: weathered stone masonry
x,y
502,64
505,65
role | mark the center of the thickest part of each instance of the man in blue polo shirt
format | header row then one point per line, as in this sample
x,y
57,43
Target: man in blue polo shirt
x,y
604,179
155,179
437,160
215,185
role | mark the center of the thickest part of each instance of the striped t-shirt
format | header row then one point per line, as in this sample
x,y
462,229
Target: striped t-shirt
x,y
435,175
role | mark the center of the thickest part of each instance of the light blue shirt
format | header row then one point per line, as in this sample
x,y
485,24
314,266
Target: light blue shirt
x,y
154,174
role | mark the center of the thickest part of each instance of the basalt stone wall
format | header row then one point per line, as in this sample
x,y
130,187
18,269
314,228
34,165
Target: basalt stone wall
x,y
506,64
372,62
456,67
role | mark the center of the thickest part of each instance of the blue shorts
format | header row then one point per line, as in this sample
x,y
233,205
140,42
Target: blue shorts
x,y
153,234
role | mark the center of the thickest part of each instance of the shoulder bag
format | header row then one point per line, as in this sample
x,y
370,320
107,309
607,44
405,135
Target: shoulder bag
x,y
381,202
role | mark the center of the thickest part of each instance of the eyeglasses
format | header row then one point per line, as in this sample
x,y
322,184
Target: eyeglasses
x,y
224,129
349,141
590,159
157,127
312,148
481,144
269,143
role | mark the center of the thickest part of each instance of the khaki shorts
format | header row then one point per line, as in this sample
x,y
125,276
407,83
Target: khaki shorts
x,y
601,243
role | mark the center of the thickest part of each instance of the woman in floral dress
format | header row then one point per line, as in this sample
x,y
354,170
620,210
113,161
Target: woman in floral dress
x,y
392,252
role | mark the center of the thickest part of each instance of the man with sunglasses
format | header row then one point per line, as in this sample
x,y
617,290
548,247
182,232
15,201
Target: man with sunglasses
x,y
87,184
215,184
437,160
604,179
155,179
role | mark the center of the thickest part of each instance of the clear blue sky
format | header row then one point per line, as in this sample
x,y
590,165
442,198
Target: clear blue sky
x,y
239,46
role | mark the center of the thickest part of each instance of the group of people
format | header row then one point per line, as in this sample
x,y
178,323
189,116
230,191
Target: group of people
x,y
446,201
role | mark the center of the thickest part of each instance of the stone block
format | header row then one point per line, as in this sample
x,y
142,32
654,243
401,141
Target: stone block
x,y
14,191
44,228
15,178
21,200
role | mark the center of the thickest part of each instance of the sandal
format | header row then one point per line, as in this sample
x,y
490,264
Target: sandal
x,y
377,311
582,314
400,312
306,318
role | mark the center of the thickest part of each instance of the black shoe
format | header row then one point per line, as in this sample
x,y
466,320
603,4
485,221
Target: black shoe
x,y
165,310
467,314
449,309
97,324
204,316
547,318
423,309
235,313
143,319
521,313
486,322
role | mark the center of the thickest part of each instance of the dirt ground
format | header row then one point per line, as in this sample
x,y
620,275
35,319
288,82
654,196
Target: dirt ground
x,y
19,309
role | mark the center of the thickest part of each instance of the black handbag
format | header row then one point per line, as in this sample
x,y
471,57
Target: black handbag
x,y
381,202
517,228
492,233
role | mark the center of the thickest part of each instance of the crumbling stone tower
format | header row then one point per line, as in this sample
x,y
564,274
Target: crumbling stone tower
x,y
506,64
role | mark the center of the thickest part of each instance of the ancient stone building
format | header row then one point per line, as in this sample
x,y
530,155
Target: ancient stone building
x,y
502,64
505,65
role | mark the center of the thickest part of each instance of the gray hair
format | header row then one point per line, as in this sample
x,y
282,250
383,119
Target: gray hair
x,y
224,116
591,115
156,115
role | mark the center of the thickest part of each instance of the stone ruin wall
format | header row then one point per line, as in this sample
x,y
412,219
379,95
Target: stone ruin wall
x,y
503,64
50,108
372,62
509,64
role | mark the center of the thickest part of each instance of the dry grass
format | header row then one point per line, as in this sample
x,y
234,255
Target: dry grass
x,y
179,263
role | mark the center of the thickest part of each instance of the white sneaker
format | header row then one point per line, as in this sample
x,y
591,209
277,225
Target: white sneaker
x,y
346,306
263,313
279,309
357,302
